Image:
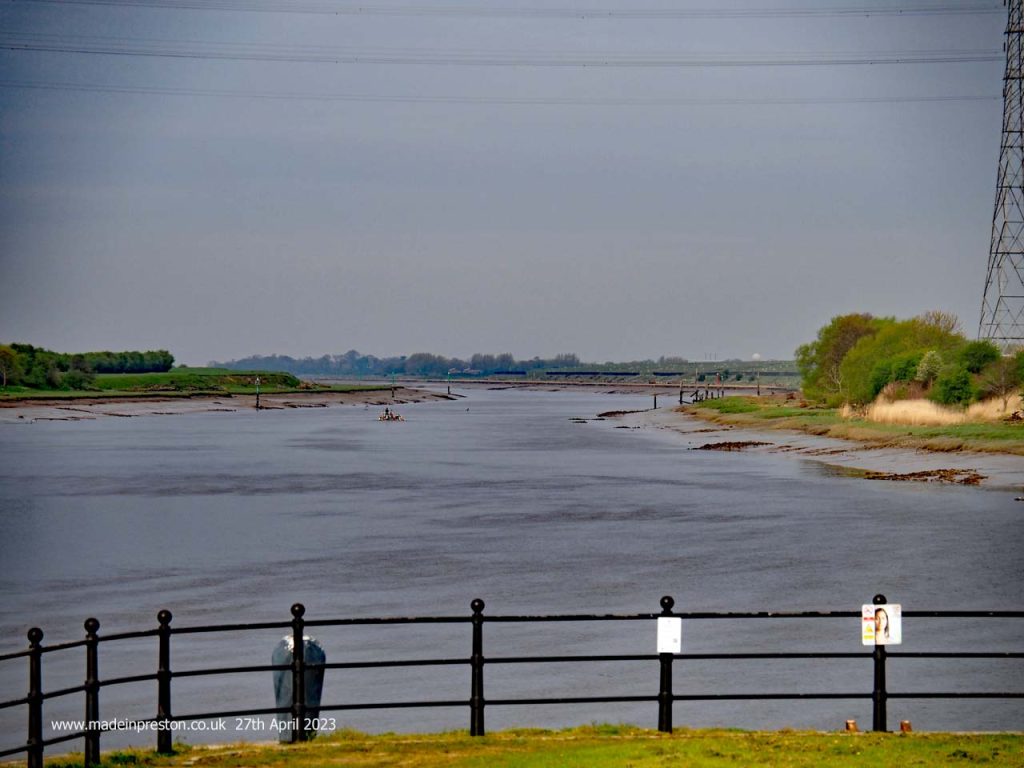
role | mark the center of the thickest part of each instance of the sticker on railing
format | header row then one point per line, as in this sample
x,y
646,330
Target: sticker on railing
x,y
670,634
881,624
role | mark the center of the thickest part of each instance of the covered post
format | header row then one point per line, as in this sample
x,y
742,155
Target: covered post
x,y
300,687
668,643
879,695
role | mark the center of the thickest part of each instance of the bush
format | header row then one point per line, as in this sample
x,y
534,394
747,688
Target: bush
x,y
954,387
975,355
77,380
900,345
929,367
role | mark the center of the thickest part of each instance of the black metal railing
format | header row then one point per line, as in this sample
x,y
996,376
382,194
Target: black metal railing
x,y
664,699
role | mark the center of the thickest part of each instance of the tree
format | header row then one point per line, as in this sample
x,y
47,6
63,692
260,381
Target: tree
x,y
954,387
820,361
946,322
8,364
1001,379
901,344
929,367
975,355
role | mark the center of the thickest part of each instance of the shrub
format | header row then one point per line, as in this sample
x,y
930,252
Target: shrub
x,y
954,387
929,367
975,355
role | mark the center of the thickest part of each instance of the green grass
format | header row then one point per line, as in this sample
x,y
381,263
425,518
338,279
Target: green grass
x,y
600,747
768,413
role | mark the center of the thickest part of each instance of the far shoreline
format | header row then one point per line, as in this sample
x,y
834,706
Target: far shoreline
x,y
28,410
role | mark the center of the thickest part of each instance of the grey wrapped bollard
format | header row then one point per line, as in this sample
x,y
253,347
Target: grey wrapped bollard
x,y
314,682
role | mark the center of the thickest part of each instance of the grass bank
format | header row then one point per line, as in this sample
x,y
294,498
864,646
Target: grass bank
x,y
601,747
777,413
184,382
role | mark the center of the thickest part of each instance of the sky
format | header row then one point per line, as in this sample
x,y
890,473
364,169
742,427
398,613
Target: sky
x,y
240,177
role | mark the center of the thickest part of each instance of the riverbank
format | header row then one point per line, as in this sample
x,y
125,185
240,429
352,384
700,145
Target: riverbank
x,y
127,406
791,414
602,745
705,429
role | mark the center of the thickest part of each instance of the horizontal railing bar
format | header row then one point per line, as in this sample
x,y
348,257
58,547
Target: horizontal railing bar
x,y
396,663
230,627
14,750
233,670
64,692
679,656
571,700
394,705
693,615
767,696
955,655
392,620
128,679
230,713
62,646
780,655
567,659
964,614
15,655
14,703
572,617
129,635
958,695
65,737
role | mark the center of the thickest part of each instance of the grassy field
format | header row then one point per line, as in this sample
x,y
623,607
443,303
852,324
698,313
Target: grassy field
x,y
184,382
601,747
773,413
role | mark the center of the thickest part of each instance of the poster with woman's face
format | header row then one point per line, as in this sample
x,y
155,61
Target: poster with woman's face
x,y
881,624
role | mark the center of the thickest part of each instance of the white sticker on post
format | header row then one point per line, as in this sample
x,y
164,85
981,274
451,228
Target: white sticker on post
x,y
881,624
670,634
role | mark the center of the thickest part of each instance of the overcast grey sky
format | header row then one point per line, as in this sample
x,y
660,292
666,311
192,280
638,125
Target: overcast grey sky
x,y
482,182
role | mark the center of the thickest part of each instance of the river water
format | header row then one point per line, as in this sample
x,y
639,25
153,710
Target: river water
x,y
503,495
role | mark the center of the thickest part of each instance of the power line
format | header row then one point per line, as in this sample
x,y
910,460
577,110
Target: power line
x,y
322,54
489,100
335,9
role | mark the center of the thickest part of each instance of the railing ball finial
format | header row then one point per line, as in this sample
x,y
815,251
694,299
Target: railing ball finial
x,y
298,610
879,599
35,636
164,617
477,605
667,604
91,626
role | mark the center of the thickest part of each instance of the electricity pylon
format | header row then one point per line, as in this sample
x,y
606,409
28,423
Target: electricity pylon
x,y
1002,304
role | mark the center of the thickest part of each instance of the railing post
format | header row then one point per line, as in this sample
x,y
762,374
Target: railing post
x,y
35,698
879,695
665,687
298,673
476,662
92,694
163,683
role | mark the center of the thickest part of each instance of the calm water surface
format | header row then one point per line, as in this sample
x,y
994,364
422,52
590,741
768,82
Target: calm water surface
x,y
232,517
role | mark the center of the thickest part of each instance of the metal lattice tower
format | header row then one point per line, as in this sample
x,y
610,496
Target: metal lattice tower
x,y
1002,305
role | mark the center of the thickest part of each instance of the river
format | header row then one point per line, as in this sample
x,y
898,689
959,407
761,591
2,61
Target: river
x,y
506,496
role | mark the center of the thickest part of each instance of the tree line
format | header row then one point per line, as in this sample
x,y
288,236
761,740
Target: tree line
x,y
37,368
355,364
857,357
